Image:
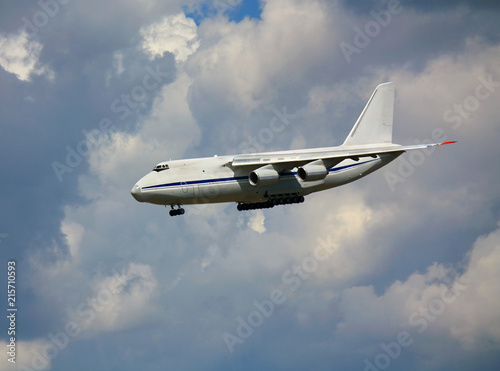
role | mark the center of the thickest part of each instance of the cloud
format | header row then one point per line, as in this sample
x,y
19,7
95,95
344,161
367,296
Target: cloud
x,y
30,355
244,64
118,301
392,253
475,320
176,34
256,222
165,133
65,262
440,305
20,55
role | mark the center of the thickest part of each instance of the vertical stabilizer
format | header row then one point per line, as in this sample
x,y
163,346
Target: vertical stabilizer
x,y
374,125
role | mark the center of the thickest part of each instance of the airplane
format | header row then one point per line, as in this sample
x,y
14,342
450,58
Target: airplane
x,y
264,180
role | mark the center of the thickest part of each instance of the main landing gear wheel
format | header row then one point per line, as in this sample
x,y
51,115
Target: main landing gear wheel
x,y
254,206
271,202
178,211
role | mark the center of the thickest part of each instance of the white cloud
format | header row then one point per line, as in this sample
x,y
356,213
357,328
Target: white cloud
x,y
74,234
20,55
445,83
166,133
475,319
256,222
118,62
175,34
436,306
118,67
30,355
243,65
118,301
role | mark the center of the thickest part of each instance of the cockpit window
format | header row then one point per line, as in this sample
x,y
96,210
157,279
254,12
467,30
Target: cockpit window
x,y
161,167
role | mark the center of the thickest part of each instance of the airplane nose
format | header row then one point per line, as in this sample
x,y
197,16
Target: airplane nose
x,y
136,192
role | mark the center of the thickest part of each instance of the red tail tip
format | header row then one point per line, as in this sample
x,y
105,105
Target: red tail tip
x,y
448,142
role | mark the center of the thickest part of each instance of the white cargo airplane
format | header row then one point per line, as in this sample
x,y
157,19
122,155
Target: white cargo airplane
x,y
263,180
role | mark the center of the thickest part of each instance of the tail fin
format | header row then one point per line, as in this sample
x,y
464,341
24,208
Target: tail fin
x,y
374,125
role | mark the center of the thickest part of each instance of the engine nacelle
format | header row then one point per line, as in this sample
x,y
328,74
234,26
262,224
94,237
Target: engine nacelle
x,y
315,170
264,175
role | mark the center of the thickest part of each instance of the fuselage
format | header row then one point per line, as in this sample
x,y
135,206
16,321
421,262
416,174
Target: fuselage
x,y
214,179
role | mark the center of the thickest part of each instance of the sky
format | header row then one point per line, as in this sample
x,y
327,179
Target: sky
x,y
396,271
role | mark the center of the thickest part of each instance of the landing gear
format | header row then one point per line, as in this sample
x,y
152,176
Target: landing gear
x,y
285,199
254,206
178,211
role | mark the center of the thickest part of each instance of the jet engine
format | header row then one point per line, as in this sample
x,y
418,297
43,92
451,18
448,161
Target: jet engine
x,y
315,170
264,175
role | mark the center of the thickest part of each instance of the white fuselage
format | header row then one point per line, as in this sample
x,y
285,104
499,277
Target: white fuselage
x,y
214,179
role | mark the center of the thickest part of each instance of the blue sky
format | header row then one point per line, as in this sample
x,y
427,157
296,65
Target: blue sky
x,y
94,94
234,10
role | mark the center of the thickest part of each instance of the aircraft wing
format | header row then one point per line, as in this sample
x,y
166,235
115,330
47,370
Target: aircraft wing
x,y
370,136
291,159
